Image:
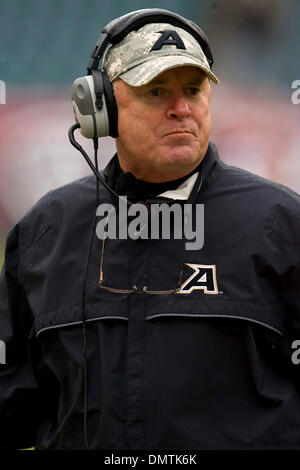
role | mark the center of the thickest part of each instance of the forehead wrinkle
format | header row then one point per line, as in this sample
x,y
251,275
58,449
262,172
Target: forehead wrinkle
x,y
196,80
157,81
197,76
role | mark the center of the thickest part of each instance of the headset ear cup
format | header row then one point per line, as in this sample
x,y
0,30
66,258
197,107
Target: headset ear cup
x,y
112,109
94,105
83,102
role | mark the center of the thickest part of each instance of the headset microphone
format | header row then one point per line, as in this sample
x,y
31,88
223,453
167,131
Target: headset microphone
x,y
89,162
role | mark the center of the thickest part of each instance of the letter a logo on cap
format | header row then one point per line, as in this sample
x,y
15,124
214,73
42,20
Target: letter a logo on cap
x,y
168,38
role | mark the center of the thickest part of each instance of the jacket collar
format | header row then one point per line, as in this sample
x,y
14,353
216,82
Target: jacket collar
x,y
189,187
210,161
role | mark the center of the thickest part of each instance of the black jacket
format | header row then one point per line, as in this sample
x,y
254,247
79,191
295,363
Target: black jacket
x,y
210,368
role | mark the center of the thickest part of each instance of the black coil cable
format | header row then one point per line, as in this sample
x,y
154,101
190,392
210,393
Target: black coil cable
x,y
95,170
84,338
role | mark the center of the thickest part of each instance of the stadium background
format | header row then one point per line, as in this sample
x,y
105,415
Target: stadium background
x,y
46,44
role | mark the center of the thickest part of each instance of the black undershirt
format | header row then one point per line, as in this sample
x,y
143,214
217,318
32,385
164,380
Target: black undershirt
x,y
125,184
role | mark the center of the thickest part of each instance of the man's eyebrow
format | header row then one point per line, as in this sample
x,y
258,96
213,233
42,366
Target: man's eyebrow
x,y
196,81
157,81
193,81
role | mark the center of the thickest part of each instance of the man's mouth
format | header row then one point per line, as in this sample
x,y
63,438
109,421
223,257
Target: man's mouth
x,y
179,131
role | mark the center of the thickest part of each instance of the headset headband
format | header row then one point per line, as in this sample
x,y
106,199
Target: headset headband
x,y
118,28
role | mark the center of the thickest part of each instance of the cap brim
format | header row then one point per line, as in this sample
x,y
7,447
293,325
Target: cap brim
x,y
148,70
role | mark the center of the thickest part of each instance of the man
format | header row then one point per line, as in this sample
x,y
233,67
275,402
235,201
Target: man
x,y
153,345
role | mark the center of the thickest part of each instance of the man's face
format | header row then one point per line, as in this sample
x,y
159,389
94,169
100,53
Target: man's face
x,y
164,126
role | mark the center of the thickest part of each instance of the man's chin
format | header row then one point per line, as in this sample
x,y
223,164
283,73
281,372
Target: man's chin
x,y
174,170
181,160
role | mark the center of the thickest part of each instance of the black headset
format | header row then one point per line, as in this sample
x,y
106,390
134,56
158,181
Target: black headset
x,y
93,99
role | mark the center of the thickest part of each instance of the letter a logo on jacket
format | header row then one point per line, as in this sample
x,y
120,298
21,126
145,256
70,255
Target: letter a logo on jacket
x,y
204,278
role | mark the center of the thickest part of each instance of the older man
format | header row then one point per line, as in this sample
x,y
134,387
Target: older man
x,y
151,345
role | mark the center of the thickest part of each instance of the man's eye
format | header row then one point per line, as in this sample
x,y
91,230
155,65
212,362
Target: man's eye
x,y
155,92
193,91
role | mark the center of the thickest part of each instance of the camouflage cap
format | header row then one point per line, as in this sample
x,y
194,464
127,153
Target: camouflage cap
x,y
154,48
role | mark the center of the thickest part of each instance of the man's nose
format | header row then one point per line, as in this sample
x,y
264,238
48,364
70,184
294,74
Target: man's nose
x,y
178,107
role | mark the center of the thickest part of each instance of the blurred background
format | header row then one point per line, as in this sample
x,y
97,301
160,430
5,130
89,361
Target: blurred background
x,y
45,45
